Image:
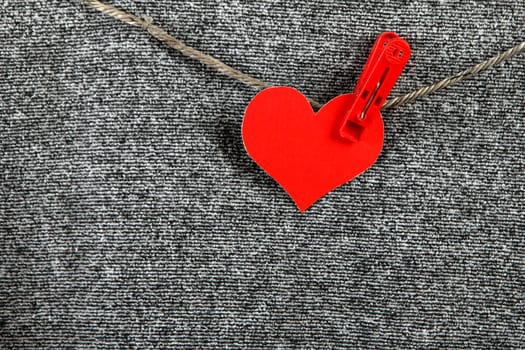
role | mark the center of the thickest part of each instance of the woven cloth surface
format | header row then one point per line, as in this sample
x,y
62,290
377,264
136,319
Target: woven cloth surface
x,y
132,217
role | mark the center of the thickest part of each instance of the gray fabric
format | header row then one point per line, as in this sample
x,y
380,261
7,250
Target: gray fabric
x,y
131,216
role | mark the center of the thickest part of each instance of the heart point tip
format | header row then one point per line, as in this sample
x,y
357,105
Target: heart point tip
x,y
303,208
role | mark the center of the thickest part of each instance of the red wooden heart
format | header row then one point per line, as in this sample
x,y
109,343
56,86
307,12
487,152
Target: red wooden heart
x,y
303,150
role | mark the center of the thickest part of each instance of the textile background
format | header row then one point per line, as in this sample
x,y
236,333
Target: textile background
x,y
131,216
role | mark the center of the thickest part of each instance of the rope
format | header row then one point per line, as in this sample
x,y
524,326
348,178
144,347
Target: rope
x,y
467,73
146,23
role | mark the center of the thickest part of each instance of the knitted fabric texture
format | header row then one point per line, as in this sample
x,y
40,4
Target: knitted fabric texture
x,y
131,216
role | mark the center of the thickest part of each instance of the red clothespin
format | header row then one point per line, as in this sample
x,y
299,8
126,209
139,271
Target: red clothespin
x,y
384,65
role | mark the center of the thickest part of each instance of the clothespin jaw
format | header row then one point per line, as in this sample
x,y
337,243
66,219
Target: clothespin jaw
x,y
387,59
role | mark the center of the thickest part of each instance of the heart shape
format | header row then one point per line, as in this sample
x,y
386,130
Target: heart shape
x,y
303,150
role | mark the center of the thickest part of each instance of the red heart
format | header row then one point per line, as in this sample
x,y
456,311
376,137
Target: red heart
x,y
303,150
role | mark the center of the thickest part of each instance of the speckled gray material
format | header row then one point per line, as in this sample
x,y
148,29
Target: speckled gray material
x,y
130,215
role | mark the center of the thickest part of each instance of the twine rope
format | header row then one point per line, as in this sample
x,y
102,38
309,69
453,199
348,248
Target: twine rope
x,y
146,23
